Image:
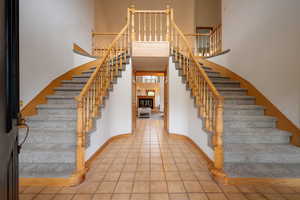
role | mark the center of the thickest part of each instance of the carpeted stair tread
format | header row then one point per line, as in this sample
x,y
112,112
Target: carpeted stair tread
x,y
261,153
52,117
57,106
262,170
248,118
44,152
47,170
257,131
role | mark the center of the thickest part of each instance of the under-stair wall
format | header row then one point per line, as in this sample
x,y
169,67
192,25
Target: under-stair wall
x,y
115,116
183,115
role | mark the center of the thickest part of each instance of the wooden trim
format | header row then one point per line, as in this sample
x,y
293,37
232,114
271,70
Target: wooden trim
x,y
30,108
291,182
89,162
283,122
71,181
150,73
78,49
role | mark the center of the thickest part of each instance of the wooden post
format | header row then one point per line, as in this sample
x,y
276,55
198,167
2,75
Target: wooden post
x,y
80,138
132,23
168,23
218,136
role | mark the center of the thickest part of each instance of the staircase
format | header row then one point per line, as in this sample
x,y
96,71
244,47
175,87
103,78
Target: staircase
x,y
253,146
50,150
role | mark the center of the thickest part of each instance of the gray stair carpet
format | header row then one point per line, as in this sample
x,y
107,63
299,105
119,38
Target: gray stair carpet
x,y
50,150
253,146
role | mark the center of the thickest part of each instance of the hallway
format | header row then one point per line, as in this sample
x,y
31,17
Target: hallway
x,y
153,166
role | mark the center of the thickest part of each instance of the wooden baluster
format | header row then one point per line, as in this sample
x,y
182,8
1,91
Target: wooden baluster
x,y
168,23
155,29
139,14
132,25
161,31
150,25
145,28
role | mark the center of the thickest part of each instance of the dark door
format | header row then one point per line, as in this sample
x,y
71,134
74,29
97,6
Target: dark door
x,y
9,99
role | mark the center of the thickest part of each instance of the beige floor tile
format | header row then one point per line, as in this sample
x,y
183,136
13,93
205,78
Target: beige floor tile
x,y
88,187
120,197
102,197
26,196
247,188
235,196
142,176
141,187
283,189
127,176
187,176
158,187
83,197
289,196
210,186
51,190
202,176
216,196
173,176
106,187
183,196
159,196
170,167
33,189
192,186
157,176
229,188
112,176
22,188
254,196
130,168
124,187
265,189
175,187
145,196
198,196
63,196
143,167
44,196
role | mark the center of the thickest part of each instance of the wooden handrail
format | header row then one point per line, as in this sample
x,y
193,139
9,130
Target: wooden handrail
x,y
211,86
87,86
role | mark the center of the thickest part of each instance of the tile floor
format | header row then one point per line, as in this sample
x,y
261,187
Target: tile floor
x,y
153,166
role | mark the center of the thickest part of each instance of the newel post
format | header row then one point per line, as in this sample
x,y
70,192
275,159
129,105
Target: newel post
x,y
218,136
168,23
80,162
132,10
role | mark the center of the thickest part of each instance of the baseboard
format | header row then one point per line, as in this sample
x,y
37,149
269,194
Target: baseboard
x,y
291,182
75,179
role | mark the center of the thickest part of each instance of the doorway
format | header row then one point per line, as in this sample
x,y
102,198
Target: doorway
x,y
149,96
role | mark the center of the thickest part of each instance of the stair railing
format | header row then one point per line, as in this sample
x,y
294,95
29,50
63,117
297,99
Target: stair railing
x,y
208,99
206,45
92,95
150,25
101,42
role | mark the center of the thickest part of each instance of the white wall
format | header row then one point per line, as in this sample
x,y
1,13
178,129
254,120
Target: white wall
x,y
263,36
116,116
48,29
183,116
208,12
161,93
79,59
